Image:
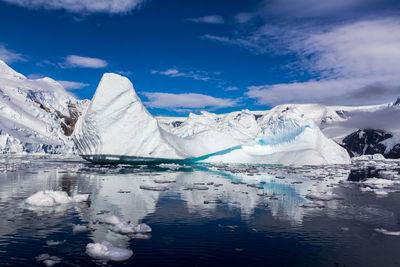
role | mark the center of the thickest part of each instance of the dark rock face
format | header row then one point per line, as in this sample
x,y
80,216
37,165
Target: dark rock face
x,y
367,142
67,122
397,103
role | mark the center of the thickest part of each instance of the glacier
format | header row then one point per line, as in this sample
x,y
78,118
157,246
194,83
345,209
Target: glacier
x,y
116,123
36,116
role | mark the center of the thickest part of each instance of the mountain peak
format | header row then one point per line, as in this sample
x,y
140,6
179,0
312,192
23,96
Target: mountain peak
x,y
397,103
5,69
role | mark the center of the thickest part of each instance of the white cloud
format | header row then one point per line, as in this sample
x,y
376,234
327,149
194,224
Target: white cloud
x,y
73,85
9,56
81,6
187,100
231,88
353,61
173,72
344,58
213,19
73,61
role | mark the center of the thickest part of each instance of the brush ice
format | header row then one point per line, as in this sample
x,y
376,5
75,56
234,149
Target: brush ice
x,y
107,251
117,123
50,198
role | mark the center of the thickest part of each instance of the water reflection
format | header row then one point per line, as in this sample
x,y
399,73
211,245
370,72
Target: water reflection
x,y
264,198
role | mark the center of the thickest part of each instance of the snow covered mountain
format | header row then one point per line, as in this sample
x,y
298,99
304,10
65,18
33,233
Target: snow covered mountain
x,y
117,124
36,116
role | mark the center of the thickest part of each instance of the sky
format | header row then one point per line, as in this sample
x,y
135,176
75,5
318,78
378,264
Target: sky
x,y
215,55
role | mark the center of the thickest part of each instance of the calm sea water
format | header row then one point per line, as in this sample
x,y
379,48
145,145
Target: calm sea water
x,y
208,216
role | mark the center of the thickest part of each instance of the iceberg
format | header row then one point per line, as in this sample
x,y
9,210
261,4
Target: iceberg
x,y
116,127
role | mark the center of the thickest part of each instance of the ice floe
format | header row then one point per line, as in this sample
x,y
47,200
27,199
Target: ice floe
x,y
106,251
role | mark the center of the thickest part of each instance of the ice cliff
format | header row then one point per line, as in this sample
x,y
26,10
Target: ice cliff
x,y
117,123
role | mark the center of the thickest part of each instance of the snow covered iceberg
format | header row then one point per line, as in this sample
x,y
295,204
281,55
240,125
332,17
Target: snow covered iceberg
x,y
117,124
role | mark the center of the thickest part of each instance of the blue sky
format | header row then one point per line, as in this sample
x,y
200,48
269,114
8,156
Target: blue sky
x,y
186,56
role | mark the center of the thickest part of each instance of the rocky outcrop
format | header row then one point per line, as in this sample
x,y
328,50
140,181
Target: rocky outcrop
x,y
369,142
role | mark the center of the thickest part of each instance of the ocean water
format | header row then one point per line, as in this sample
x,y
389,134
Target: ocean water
x,y
204,215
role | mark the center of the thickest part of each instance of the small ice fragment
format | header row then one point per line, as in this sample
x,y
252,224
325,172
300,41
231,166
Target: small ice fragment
x,y
345,229
153,188
52,243
50,262
78,228
119,225
142,228
323,196
387,232
42,257
107,251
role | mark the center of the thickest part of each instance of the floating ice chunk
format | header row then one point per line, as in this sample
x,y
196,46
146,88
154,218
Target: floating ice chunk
x,y
121,226
106,251
50,198
154,188
78,228
142,228
48,260
53,260
53,243
42,257
323,196
387,232
380,183
381,192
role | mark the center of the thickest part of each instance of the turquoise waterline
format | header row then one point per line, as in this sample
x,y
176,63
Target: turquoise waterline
x,y
118,159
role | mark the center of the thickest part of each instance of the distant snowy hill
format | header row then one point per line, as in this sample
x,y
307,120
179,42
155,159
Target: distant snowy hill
x,y
36,116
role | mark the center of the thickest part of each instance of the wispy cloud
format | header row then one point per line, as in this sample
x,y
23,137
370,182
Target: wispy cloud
x,y
10,56
187,100
231,88
173,72
81,6
74,61
351,60
212,19
70,85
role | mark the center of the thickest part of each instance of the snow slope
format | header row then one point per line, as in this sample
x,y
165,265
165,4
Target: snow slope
x,y
35,115
117,123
